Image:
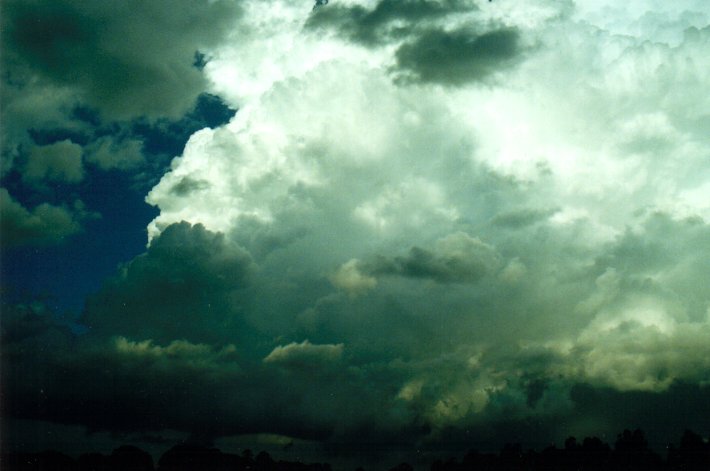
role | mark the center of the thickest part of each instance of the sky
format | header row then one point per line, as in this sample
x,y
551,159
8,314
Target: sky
x,y
354,231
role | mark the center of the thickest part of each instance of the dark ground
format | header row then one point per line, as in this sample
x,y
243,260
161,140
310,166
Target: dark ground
x,y
629,452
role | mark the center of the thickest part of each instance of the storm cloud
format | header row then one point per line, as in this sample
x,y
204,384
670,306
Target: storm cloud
x,y
79,78
44,224
126,60
429,225
457,56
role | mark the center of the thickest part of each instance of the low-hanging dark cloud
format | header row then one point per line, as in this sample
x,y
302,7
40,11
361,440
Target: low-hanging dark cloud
x,y
188,284
458,258
182,339
388,20
128,59
43,225
456,57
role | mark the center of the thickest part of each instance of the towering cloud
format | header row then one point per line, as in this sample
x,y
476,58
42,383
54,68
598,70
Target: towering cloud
x,y
429,222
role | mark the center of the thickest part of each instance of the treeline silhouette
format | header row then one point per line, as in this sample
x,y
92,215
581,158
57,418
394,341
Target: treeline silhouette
x,y
629,453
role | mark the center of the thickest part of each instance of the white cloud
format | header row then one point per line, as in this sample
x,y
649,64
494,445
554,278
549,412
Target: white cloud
x,y
578,106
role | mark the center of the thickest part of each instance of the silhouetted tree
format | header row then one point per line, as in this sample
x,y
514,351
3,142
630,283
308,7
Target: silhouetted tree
x,y
693,454
264,462
185,457
319,467
44,461
594,455
130,458
93,462
631,452
402,467
511,457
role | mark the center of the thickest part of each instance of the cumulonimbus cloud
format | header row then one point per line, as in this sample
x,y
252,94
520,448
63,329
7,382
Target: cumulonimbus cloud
x,y
505,240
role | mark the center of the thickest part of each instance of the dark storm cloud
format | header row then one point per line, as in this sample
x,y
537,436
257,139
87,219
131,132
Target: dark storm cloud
x,y
458,258
421,263
29,322
94,87
109,152
181,288
389,19
45,224
521,218
183,339
534,390
661,414
430,52
187,185
458,56
142,365
405,288
126,59
118,384
61,161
